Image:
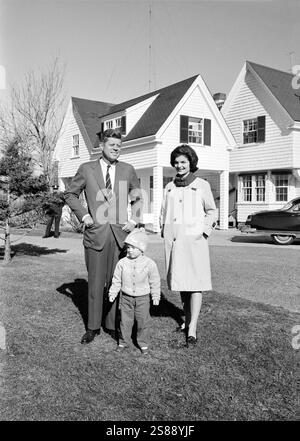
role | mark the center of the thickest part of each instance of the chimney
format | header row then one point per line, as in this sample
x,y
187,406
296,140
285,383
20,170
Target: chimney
x,y
219,99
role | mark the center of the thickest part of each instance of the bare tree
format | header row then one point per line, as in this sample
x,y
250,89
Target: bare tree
x,y
37,110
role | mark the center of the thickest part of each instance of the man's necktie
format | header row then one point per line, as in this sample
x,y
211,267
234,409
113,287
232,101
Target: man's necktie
x,y
108,184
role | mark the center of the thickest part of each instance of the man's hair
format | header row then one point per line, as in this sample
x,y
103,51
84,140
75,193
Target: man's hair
x,y
188,152
111,133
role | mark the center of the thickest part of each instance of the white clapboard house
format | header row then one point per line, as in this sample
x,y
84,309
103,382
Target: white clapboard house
x,y
262,112
152,126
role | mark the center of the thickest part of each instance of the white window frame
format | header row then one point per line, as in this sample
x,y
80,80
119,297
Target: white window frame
x,y
196,130
115,123
255,190
109,124
260,187
118,122
281,189
75,146
250,128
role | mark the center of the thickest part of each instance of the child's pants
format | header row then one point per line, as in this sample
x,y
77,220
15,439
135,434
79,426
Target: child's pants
x,y
135,308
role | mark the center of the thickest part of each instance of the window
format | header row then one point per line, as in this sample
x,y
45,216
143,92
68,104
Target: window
x,y
250,131
281,182
253,188
195,133
260,187
195,130
75,145
254,130
151,189
247,188
296,208
118,123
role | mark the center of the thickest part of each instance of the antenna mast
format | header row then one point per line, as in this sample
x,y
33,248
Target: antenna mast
x,y
150,47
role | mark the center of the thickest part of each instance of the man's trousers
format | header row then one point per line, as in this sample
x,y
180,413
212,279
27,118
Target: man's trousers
x,y
56,219
101,266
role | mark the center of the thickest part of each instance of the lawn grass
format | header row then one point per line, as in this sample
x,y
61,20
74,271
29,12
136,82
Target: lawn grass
x,y
244,367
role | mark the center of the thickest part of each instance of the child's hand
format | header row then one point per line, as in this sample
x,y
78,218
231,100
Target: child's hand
x,y
155,302
111,298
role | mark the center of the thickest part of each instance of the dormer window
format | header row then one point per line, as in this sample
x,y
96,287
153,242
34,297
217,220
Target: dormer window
x,y
116,123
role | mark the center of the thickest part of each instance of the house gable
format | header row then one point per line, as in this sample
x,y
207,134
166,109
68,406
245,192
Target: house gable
x,y
217,140
250,98
72,125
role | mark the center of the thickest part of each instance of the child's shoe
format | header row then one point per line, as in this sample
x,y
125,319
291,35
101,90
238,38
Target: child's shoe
x,y
144,350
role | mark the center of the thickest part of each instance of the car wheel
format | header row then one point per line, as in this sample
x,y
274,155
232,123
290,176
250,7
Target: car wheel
x,y
282,239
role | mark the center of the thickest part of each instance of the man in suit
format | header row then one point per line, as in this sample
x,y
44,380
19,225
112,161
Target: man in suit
x,y
53,210
108,184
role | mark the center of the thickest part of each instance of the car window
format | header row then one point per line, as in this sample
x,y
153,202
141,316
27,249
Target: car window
x,y
296,208
287,206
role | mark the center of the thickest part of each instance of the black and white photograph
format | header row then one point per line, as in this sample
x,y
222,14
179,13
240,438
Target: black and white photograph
x,y
149,214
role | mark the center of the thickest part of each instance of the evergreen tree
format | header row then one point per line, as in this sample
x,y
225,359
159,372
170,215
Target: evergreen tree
x,y
21,193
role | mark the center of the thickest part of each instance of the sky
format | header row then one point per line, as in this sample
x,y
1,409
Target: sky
x,y
104,45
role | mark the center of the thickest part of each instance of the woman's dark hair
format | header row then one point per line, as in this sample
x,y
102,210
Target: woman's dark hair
x,y
188,152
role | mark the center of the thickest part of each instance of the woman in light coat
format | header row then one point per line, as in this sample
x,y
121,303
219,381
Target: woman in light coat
x,y
188,216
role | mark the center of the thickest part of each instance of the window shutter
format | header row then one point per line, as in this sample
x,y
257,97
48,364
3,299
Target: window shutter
x,y
261,128
184,129
207,131
97,140
123,124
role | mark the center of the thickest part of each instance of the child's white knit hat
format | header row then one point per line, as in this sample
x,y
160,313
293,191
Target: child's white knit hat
x,y
138,239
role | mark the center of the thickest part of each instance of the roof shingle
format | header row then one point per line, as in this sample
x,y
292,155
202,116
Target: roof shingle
x,y
280,84
160,109
89,112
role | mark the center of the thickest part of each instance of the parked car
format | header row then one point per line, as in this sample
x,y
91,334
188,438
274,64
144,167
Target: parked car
x,y
282,225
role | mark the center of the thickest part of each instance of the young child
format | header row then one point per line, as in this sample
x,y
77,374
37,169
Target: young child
x,y
137,277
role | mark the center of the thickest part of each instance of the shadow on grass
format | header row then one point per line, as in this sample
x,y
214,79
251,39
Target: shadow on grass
x,y
167,309
77,291
26,249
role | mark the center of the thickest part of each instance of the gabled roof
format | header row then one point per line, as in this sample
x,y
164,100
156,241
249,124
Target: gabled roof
x,y
89,112
156,114
280,85
150,122
160,109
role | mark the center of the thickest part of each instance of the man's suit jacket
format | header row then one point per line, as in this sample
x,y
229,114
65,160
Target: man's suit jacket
x,y
105,213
